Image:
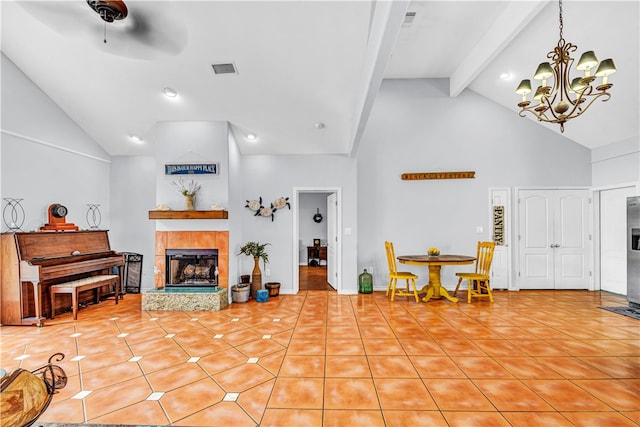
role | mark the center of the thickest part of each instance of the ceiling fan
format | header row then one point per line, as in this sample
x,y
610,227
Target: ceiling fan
x,y
140,30
109,11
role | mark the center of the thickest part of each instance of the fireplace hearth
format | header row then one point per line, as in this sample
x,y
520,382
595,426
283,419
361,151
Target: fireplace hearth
x,y
191,267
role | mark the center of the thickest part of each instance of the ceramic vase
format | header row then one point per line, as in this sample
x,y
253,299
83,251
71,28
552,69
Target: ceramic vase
x,y
188,202
256,277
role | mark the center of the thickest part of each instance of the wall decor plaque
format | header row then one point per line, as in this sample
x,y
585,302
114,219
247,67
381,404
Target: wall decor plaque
x,y
438,175
498,225
191,169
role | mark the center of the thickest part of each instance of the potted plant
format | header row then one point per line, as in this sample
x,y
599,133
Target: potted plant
x,y
258,252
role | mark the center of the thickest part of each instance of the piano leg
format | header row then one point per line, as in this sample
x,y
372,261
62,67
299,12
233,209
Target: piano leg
x,y
37,303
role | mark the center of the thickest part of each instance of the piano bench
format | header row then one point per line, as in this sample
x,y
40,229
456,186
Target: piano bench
x,y
76,286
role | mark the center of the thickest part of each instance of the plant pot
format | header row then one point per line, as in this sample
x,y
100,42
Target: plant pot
x,y
240,293
273,288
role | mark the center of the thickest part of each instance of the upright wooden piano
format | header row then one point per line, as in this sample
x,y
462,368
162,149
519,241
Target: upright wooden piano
x,y
31,262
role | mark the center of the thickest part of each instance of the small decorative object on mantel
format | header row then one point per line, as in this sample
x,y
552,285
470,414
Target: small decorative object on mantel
x,y
437,175
94,217
58,219
189,191
266,211
162,207
13,214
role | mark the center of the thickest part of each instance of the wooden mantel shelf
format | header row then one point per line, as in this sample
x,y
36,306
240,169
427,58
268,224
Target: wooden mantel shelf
x,y
188,214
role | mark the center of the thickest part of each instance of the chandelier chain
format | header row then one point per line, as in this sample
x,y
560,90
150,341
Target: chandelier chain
x,y
561,22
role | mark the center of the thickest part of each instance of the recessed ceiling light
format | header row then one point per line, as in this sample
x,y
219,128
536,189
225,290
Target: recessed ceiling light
x,y
136,139
252,137
169,92
319,125
505,76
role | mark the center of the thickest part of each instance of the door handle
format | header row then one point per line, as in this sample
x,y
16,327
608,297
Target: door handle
x,y
554,246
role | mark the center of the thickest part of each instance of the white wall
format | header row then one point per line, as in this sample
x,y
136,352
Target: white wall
x,y
46,157
140,183
133,188
192,142
616,163
275,176
416,127
236,211
308,229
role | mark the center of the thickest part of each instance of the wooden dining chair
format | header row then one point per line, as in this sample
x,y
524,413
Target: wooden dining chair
x,y
479,284
394,275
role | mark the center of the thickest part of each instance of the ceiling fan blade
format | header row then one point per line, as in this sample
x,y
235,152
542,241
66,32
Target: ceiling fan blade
x,y
158,29
64,17
149,30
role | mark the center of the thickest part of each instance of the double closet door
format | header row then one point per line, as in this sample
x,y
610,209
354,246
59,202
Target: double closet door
x,y
553,239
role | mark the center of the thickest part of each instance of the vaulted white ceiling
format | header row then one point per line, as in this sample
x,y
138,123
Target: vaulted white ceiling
x,y
307,71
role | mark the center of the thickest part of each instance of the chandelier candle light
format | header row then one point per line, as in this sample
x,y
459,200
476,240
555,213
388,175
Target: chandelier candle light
x,y
565,99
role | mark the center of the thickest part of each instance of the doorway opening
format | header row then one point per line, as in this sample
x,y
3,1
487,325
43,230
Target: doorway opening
x,y
610,235
313,278
316,242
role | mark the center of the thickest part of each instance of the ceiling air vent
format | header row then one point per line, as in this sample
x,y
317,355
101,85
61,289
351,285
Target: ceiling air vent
x,y
409,17
224,68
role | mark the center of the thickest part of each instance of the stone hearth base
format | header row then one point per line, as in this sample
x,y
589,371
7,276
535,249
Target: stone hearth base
x,y
185,299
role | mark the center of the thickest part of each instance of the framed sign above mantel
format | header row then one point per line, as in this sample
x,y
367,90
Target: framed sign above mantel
x,y
191,169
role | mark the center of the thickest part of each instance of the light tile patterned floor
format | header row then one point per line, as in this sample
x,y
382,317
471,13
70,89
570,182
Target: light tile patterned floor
x,y
532,358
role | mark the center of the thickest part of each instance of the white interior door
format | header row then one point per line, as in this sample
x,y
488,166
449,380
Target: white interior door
x,y
535,239
553,239
613,243
332,239
571,239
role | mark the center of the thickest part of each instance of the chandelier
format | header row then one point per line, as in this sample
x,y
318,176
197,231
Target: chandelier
x,y
565,98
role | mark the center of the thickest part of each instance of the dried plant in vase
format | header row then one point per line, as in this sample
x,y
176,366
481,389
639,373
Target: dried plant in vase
x,y
188,190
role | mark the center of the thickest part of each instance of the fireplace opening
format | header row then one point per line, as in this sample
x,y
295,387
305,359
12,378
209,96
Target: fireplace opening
x,y
191,267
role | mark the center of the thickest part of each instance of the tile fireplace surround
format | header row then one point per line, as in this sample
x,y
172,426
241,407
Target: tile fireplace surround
x,y
193,240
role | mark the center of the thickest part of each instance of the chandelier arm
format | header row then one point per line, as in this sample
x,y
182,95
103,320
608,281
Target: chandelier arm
x,y
543,117
591,101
